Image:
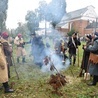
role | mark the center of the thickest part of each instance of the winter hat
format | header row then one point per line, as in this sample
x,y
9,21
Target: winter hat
x,y
19,35
32,34
89,37
5,35
74,33
96,33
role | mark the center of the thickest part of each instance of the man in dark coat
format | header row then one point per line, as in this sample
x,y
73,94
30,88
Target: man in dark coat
x,y
85,58
37,49
93,67
73,45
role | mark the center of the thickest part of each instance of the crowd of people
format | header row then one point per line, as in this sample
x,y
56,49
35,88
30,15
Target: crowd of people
x,y
89,61
90,57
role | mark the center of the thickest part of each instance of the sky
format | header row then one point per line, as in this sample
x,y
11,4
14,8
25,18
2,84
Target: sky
x,y
17,9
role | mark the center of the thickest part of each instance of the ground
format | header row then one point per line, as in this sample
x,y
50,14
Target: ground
x,y
33,83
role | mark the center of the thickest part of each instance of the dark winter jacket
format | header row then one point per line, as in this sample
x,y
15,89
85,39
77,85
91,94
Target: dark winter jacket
x,y
93,68
72,47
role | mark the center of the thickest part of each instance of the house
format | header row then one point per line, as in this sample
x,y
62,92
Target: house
x,y
82,20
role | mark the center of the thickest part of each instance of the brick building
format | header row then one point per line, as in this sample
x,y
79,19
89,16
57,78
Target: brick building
x,y
83,21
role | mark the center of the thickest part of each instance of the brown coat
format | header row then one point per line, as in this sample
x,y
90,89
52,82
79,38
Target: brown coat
x,y
3,66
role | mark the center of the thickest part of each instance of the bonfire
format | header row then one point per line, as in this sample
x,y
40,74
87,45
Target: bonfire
x,y
56,80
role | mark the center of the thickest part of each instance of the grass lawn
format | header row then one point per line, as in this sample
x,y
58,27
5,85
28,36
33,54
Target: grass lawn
x,y
33,83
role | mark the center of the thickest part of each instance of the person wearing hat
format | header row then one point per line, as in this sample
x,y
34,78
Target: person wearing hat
x,y
31,41
37,49
5,51
5,35
73,44
21,52
8,49
85,58
93,60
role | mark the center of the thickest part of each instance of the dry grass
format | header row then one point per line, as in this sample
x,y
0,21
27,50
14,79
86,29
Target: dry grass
x,y
34,84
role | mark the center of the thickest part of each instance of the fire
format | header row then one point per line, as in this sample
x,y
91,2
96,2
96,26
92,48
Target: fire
x,y
57,81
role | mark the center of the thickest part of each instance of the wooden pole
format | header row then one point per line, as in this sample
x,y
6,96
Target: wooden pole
x,y
78,57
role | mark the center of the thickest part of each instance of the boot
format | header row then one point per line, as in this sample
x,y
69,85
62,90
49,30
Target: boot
x,y
7,89
92,84
74,60
1,87
96,78
9,71
23,60
17,60
81,73
70,58
94,81
70,61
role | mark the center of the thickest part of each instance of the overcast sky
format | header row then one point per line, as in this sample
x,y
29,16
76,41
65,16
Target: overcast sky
x,y
17,9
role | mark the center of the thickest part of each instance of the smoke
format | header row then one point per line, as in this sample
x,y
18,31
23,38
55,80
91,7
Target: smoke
x,y
56,60
42,47
56,10
38,50
50,51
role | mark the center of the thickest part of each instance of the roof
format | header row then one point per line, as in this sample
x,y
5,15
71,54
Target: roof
x,y
75,14
72,15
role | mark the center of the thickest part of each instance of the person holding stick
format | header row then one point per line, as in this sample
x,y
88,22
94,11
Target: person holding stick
x,y
85,58
7,49
93,60
4,48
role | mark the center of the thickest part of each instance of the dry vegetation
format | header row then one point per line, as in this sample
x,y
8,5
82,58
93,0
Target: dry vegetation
x,y
33,83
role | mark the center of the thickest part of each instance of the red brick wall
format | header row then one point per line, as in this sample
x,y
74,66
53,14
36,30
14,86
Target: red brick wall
x,y
79,26
90,31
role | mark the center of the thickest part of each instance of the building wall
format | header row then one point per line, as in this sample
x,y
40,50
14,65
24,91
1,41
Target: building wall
x,y
79,26
88,31
80,23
